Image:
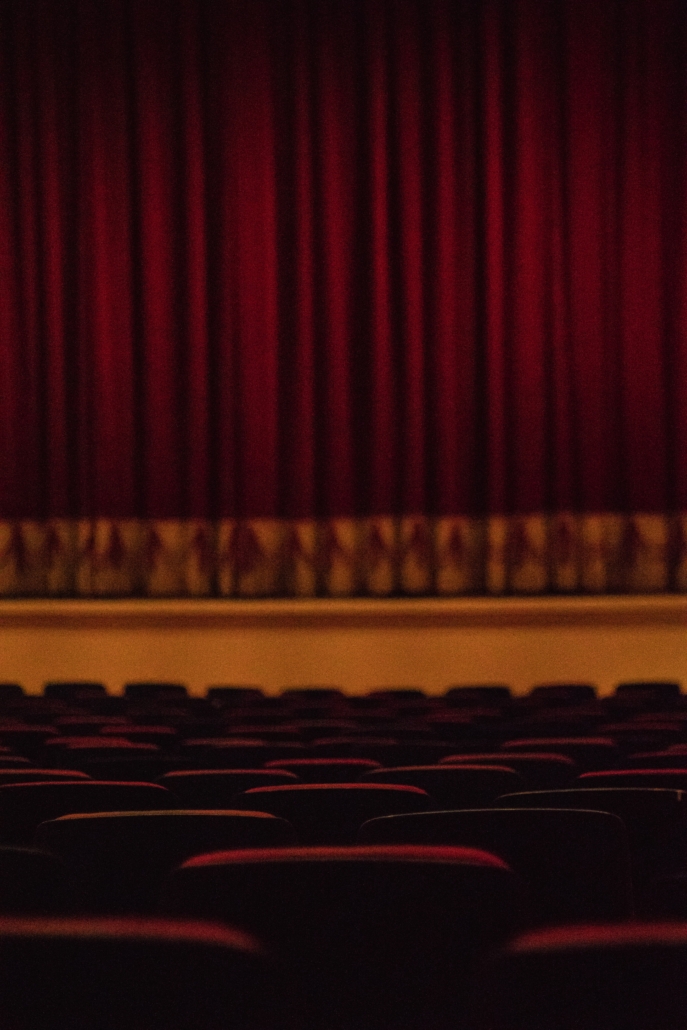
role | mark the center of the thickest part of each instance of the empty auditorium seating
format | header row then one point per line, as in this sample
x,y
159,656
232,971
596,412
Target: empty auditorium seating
x,y
140,974
656,821
217,788
23,806
332,813
119,860
151,690
588,752
74,690
483,693
380,846
454,786
379,937
673,779
238,752
619,977
34,881
11,692
34,774
325,770
539,770
576,864
562,693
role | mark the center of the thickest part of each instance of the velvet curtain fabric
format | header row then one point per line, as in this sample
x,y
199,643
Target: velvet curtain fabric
x,y
343,297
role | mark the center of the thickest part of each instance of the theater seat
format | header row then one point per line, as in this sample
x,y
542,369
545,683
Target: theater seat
x,y
671,779
496,694
541,771
325,770
236,752
331,813
562,694
589,753
156,692
134,974
383,938
459,786
74,690
23,806
215,788
33,882
619,977
388,751
34,774
656,821
576,864
119,859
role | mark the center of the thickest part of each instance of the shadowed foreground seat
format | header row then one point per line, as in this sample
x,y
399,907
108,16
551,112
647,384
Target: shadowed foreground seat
x,y
588,752
666,758
112,974
540,771
576,864
656,822
33,882
386,750
460,786
23,806
137,766
621,977
325,770
216,788
670,779
119,860
378,937
236,752
34,774
332,813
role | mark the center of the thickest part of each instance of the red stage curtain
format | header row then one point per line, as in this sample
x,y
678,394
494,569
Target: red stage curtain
x,y
343,297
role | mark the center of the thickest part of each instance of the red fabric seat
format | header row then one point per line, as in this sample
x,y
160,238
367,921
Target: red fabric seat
x,y
588,752
671,779
460,786
618,977
376,937
119,860
540,771
23,806
154,974
656,821
331,813
236,752
325,770
34,882
36,774
216,788
576,864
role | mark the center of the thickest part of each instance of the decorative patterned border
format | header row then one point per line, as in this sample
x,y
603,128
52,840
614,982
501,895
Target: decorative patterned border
x,y
410,556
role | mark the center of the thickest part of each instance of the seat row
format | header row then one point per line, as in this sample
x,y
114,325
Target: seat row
x,y
338,887
105,846
166,974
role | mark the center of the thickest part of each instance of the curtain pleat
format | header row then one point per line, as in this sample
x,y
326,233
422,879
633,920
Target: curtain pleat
x,y
377,298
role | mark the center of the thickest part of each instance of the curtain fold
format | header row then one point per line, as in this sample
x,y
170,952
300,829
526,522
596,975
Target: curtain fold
x,y
377,297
